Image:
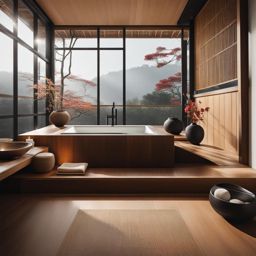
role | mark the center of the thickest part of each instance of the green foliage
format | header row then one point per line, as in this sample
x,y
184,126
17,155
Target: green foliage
x,y
156,98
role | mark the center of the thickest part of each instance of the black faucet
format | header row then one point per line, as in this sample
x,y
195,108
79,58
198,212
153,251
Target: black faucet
x,y
113,115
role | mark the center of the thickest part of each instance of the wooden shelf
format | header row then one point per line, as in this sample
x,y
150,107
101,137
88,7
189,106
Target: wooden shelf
x,y
8,168
211,153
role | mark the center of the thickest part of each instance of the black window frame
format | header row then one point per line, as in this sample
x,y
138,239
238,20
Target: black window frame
x,y
38,14
184,48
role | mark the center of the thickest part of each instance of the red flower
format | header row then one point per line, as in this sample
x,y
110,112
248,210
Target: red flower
x,y
187,108
160,49
194,111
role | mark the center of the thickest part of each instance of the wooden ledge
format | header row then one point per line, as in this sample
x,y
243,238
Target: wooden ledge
x,y
8,168
211,153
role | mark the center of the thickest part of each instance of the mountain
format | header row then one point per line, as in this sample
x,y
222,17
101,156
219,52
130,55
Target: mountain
x,y
25,81
139,81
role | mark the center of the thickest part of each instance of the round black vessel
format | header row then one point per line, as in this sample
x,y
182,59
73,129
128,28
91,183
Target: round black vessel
x,y
194,133
173,125
232,211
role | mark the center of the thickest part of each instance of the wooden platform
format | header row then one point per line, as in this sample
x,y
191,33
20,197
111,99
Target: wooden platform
x,y
182,179
196,170
212,154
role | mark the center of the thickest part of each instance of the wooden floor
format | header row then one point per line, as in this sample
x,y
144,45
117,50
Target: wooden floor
x,y
35,225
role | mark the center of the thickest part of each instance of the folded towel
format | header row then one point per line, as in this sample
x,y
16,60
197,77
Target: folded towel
x,y
72,168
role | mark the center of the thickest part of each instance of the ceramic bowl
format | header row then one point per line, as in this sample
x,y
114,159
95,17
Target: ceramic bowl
x,y
234,211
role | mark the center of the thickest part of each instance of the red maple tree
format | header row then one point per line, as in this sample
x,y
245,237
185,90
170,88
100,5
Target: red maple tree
x,y
171,84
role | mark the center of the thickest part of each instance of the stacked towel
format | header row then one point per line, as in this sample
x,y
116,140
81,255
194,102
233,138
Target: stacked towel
x,y
72,169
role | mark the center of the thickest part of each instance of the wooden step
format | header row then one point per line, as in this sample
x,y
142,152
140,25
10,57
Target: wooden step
x,y
182,179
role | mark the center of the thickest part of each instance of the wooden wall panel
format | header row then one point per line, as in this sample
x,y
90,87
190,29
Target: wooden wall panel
x,y
216,43
221,122
216,62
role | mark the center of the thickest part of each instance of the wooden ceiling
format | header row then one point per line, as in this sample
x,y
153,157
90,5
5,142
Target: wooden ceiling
x,y
113,12
115,33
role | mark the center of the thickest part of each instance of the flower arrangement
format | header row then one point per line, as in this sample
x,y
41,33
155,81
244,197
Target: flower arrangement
x,y
194,111
47,89
51,91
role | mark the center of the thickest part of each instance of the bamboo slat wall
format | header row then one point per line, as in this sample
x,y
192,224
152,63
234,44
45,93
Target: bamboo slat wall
x,y
216,63
221,122
216,43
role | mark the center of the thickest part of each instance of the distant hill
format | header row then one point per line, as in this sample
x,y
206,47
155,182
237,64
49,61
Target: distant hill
x,y
139,81
25,84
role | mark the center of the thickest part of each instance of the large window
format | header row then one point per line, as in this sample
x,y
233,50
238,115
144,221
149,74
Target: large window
x,y
151,96
140,70
23,63
6,75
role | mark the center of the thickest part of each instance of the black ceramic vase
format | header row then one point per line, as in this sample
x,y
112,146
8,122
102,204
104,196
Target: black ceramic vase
x,y
194,133
173,125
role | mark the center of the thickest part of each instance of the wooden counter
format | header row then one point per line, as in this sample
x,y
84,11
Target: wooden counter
x,y
10,167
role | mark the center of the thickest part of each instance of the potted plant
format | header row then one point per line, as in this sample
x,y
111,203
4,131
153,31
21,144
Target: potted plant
x,y
195,112
59,102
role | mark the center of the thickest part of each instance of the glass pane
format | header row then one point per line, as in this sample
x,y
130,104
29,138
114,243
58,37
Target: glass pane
x,y
111,83
81,38
25,124
41,121
41,38
6,128
6,13
41,79
111,38
6,75
150,115
107,111
186,37
25,24
25,81
80,90
153,76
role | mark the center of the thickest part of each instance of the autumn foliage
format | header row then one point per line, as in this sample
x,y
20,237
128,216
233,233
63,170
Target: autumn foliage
x,y
171,84
47,89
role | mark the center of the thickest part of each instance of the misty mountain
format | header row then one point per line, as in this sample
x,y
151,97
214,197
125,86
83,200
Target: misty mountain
x,y
139,81
25,81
